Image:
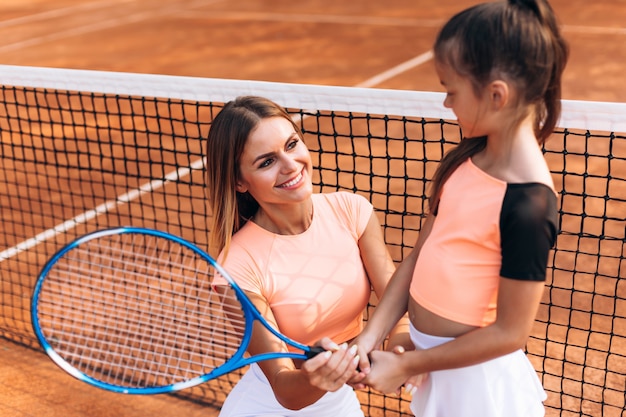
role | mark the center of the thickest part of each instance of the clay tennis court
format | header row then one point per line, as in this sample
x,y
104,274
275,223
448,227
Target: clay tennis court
x,y
372,44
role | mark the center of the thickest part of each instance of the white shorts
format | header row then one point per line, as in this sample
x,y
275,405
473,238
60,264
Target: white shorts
x,y
253,396
507,386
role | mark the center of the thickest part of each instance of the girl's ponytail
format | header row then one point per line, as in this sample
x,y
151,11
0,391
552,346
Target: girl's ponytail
x,y
550,111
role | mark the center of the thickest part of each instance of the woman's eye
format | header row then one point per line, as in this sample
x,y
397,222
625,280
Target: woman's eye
x,y
292,144
266,163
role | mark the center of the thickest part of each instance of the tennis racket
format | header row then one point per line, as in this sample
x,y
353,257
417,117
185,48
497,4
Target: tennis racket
x,y
135,311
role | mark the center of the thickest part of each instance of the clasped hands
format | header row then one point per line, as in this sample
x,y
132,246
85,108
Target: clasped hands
x,y
356,366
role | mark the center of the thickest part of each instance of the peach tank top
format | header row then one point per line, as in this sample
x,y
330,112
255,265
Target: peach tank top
x,y
484,229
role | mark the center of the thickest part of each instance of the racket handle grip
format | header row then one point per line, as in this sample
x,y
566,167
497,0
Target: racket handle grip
x,y
314,351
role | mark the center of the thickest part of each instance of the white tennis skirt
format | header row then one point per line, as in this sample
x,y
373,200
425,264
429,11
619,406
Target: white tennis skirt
x,y
253,396
507,386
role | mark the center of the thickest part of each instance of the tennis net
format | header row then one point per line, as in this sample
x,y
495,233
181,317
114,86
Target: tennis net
x,y
84,150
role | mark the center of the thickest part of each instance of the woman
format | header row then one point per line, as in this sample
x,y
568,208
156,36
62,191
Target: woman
x,y
308,261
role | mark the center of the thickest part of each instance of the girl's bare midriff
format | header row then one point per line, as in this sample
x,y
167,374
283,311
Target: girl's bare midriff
x,y
432,324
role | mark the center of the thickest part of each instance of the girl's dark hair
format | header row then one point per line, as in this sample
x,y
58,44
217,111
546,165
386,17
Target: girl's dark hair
x,y
227,138
516,40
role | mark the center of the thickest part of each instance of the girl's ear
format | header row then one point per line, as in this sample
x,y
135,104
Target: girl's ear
x,y
499,94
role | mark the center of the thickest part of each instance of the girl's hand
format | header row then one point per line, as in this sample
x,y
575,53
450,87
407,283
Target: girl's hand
x,y
411,384
386,373
330,370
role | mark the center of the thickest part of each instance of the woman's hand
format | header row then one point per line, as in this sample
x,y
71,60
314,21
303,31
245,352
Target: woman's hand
x,y
330,370
364,344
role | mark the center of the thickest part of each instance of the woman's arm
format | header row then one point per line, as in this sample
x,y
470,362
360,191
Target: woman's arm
x,y
393,303
380,268
297,388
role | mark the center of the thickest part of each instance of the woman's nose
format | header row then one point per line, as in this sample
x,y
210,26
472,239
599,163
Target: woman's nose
x,y
289,163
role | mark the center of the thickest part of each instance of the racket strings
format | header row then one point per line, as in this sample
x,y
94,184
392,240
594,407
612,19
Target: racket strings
x,y
138,310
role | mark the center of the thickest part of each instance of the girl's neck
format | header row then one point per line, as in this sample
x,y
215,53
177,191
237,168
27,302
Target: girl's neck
x,y
514,156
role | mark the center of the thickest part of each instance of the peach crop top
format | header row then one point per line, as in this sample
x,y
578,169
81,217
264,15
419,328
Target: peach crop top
x,y
315,282
484,229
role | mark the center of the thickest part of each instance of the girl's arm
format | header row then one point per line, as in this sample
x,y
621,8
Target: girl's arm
x,y
518,302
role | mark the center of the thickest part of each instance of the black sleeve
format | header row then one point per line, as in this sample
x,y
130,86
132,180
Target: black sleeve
x,y
528,229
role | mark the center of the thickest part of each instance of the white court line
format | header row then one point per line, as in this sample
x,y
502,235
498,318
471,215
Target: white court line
x,y
594,30
312,18
101,209
199,164
367,20
37,17
390,73
79,30
124,198
91,27
280,17
175,175
397,70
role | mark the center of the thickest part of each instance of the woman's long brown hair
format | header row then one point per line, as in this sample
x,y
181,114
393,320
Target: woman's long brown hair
x,y
227,138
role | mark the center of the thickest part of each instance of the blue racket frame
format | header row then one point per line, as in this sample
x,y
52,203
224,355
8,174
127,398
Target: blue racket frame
x,y
237,360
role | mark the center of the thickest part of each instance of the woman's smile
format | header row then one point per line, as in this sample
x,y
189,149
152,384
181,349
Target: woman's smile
x,y
291,182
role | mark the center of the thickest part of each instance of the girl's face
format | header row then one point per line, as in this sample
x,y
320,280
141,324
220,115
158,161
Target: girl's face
x,y
461,98
275,166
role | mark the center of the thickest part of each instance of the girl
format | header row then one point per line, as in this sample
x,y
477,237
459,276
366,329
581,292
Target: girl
x,y
308,261
473,282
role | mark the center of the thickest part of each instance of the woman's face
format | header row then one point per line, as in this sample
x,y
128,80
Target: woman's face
x,y
275,166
